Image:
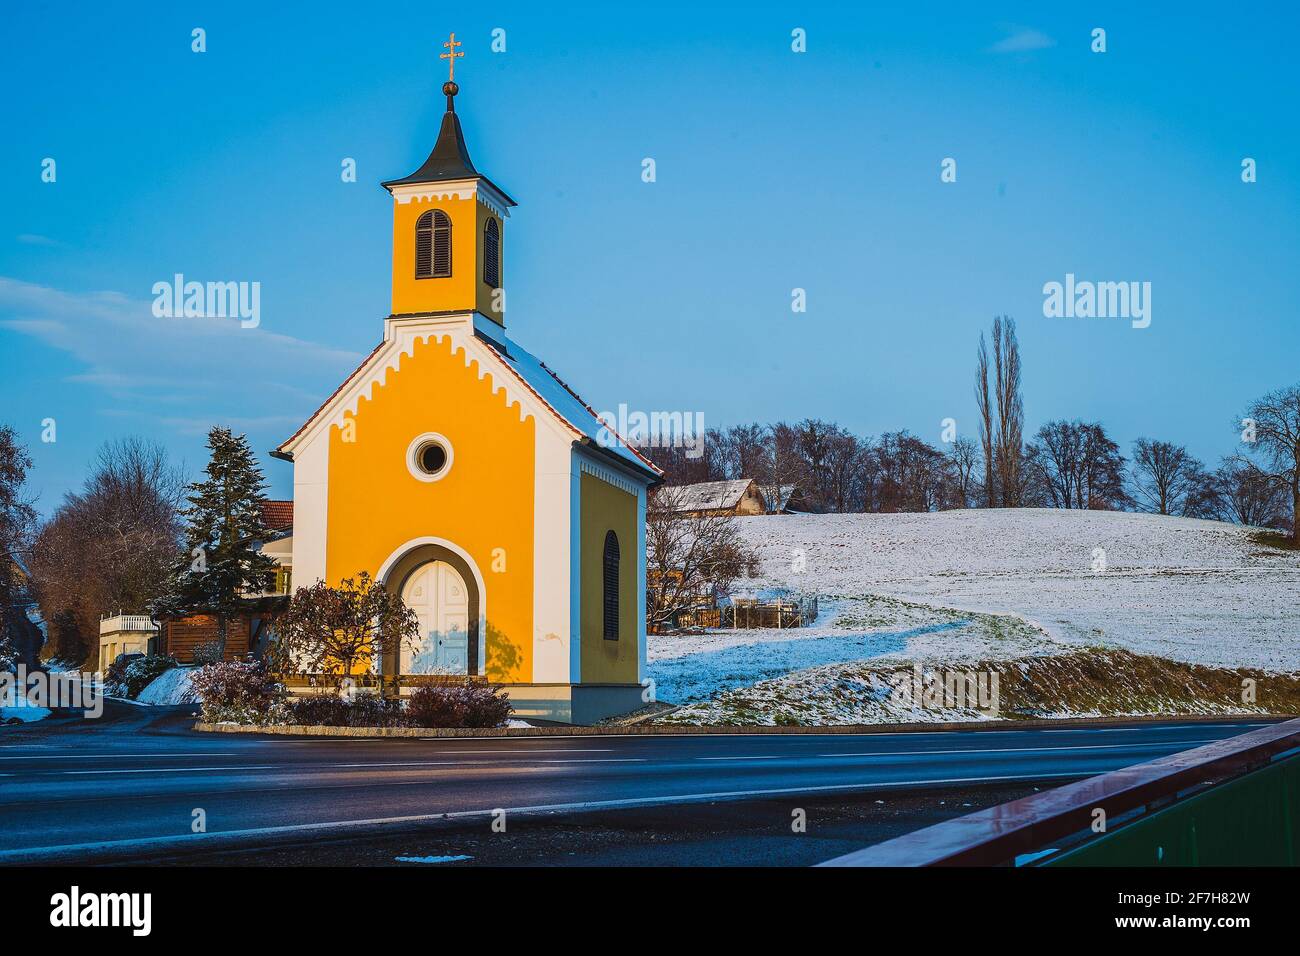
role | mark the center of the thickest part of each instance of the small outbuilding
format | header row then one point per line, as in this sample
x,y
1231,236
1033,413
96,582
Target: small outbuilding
x,y
740,496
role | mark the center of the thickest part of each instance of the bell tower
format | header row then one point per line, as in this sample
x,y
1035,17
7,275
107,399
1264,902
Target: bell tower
x,y
449,226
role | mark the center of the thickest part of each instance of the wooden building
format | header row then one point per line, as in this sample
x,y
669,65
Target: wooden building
x,y
740,496
248,631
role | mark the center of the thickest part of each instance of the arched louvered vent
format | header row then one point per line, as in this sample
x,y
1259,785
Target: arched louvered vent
x,y
492,254
611,586
433,245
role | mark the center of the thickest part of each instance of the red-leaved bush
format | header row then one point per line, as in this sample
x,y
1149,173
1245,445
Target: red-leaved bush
x,y
452,705
363,710
235,691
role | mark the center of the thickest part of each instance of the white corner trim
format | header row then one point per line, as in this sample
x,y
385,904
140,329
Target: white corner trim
x,y
607,475
427,192
489,198
453,189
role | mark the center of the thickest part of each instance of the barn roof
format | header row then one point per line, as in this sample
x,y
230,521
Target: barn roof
x,y
709,495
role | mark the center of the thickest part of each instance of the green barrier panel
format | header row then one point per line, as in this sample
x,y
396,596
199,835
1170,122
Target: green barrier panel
x,y
1250,821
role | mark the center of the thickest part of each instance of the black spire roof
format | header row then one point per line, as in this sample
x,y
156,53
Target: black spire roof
x,y
450,157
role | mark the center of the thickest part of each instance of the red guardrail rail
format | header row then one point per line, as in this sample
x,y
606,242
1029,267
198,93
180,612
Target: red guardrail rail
x,y
999,834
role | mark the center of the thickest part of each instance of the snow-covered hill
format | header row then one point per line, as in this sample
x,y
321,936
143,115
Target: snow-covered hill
x,y
1184,589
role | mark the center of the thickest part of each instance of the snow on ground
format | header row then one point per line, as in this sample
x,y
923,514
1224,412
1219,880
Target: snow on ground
x,y
170,687
688,668
22,710
1181,588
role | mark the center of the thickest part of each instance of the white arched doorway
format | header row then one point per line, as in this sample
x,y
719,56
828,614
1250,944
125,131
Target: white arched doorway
x,y
436,592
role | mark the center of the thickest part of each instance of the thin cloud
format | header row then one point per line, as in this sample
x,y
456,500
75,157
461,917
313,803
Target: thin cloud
x,y
32,239
221,371
1022,40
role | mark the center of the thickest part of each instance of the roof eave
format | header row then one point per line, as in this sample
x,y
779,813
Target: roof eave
x,y
651,478
417,180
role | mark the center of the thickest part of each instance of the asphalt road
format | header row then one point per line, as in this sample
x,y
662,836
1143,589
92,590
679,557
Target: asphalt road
x,y
132,785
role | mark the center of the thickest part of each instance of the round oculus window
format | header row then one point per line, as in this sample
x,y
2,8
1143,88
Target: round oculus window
x,y
428,457
433,458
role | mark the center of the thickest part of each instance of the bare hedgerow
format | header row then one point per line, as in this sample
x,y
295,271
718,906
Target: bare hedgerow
x,y
1274,453
689,555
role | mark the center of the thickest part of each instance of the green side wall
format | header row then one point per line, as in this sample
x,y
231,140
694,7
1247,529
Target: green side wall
x,y
606,508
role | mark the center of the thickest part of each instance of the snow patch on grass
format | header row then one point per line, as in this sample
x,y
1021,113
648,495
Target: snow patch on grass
x,y
688,668
1088,683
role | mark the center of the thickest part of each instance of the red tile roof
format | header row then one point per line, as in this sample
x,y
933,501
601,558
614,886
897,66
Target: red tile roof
x,y
277,515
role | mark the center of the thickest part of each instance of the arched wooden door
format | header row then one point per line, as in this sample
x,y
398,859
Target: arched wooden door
x,y
437,594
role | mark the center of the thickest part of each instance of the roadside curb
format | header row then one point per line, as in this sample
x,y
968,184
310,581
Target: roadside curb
x,y
668,730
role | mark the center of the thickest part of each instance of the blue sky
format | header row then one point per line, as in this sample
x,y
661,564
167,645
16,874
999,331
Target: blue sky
x,y
775,170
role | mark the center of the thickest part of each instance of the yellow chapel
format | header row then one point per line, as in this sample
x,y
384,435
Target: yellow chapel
x,y
460,471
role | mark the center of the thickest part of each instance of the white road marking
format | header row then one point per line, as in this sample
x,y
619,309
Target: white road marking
x,y
175,843
755,757
474,763
534,750
78,773
1129,730
78,756
300,768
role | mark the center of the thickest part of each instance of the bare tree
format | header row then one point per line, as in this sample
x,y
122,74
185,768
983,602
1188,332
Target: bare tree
x,y
842,490
830,460
986,422
1163,475
109,548
1078,466
1274,423
911,474
685,466
689,557
788,466
1240,492
964,458
747,452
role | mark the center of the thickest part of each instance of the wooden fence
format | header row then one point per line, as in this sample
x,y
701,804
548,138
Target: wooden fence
x,y
751,614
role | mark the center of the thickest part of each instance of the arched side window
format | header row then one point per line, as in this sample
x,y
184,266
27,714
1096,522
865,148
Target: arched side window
x,y
611,586
492,254
433,245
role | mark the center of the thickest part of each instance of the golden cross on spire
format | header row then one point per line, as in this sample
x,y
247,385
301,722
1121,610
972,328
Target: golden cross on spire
x,y
450,57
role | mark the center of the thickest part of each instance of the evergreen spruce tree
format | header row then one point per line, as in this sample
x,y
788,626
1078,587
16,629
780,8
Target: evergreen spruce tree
x,y
224,529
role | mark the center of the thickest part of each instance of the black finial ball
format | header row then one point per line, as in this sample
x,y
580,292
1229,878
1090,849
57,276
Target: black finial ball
x,y
449,88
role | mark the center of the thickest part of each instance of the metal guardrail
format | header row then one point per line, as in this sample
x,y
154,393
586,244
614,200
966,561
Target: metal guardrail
x,y
999,834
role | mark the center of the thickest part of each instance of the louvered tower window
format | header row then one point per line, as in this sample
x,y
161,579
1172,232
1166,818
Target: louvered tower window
x,y
492,254
433,245
611,586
